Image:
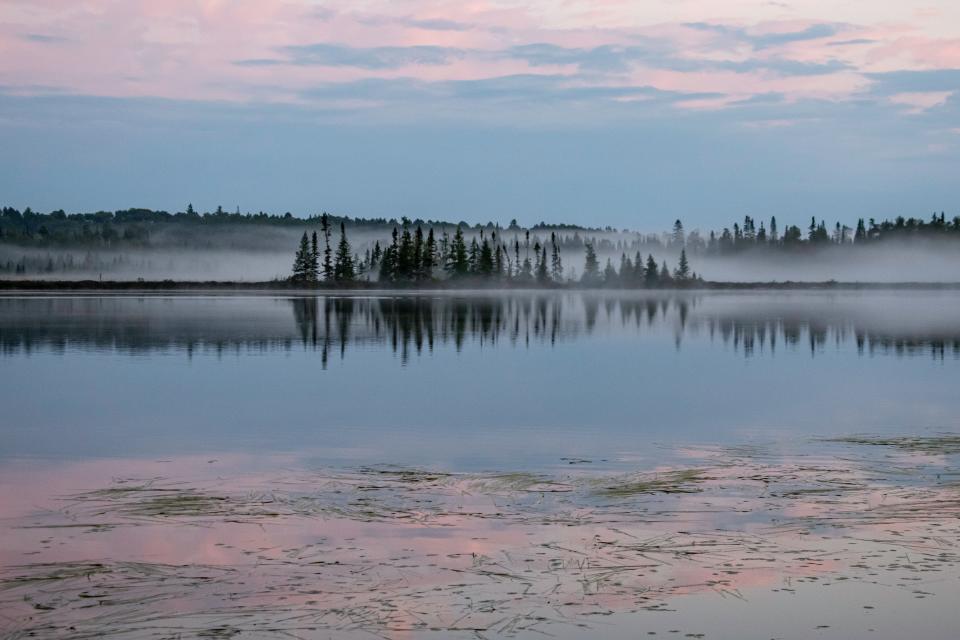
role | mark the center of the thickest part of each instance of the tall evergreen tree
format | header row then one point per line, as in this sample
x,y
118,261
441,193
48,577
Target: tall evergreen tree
x,y
861,233
418,254
314,259
429,257
543,274
458,263
682,272
327,266
591,267
485,259
677,238
301,261
343,267
610,278
651,273
556,263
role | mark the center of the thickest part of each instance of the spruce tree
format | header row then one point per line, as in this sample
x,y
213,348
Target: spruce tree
x,y
543,275
556,264
458,264
314,259
301,260
485,259
651,274
343,268
591,268
665,278
327,266
682,272
609,274
429,259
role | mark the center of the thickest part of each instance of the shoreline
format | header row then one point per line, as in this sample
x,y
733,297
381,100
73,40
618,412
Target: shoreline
x,y
94,286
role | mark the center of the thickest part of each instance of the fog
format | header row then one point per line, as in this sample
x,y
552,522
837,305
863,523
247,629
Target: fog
x,y
257,253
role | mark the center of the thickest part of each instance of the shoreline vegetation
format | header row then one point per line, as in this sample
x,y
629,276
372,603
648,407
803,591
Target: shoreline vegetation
x,y
437,286
143,245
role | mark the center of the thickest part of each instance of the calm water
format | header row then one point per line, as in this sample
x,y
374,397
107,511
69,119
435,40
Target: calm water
x,y
468,381
492,459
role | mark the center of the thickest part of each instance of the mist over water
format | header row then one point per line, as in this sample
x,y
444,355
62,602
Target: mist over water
x,y
263,253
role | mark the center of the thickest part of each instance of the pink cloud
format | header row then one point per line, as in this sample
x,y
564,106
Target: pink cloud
x,y
188,49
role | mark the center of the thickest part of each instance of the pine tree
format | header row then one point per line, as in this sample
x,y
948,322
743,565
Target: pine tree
x,y
556,263
543,274
429,257
665,279
301,260
485,259
682,272
651,274
418,254
458,264
343,268
314,259
591,267
327,266
861,233
677,239
406,256
609,274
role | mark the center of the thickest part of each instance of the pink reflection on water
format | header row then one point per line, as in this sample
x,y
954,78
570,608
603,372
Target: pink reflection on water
x,y
404,551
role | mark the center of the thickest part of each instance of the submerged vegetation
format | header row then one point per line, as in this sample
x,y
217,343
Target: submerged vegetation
x,y
436,553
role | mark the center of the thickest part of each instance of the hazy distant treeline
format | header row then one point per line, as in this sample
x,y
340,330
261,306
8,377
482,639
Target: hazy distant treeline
x,y
219,245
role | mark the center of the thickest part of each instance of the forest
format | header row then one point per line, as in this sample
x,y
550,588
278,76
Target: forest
x,y
154,245
418,258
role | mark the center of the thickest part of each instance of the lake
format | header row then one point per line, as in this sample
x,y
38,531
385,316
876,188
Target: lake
x,y
477,464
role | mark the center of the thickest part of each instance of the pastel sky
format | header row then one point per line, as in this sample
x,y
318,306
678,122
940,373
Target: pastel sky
x,y
628,113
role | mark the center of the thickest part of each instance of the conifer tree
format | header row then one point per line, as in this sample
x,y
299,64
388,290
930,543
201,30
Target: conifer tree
x,y
651,273
301,260
556,263
682,272
314,259
861,233
327,266
458,264
543,274
473,257
343,267
664,279
609,274
429,257
418,254
677,239
485,259
591,268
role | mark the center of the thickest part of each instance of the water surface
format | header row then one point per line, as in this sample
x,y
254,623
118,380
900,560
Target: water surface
x,y
480,465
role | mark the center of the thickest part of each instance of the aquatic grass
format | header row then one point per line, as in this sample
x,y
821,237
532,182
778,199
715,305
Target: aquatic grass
x,y
579,548
675,481
947,444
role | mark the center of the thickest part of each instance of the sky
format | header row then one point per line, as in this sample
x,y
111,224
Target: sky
x,y
600,112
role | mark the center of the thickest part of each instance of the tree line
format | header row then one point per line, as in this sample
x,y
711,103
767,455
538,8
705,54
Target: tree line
x,y
415,257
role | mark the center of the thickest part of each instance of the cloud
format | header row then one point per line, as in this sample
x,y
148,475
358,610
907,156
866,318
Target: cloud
x,y
43,38
894,82
372,58
764,40
611,58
